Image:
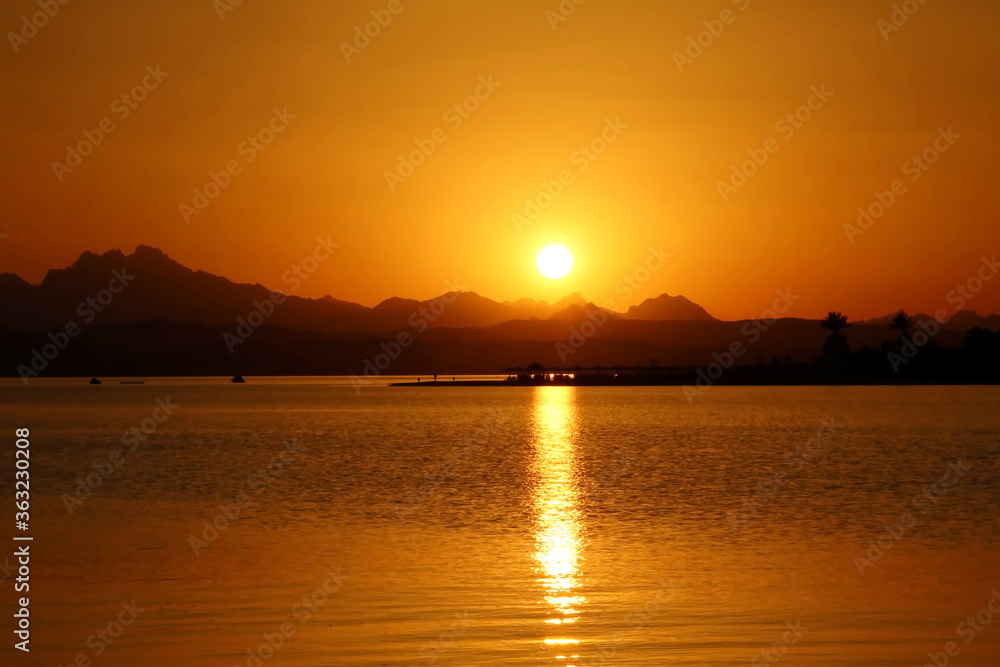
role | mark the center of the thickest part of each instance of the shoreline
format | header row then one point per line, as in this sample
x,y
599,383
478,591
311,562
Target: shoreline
x,y
732,379
631,382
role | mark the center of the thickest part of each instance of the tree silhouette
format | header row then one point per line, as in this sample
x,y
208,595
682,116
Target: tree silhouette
x,y
902,323
977,339
982,347
835,345
834,322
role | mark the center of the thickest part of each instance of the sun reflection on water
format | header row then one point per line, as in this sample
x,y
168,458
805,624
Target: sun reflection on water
x,y
559,529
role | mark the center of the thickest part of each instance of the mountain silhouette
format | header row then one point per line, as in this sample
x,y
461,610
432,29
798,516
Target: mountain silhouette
x,y
171,320
161,289
666,307
581,311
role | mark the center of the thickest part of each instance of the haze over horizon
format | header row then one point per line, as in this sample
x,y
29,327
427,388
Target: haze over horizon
x,y
536,91
294,278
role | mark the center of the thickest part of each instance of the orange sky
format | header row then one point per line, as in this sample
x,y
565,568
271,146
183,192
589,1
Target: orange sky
x,y
676,135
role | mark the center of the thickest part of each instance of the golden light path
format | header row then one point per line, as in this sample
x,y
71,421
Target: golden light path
x,y
557,517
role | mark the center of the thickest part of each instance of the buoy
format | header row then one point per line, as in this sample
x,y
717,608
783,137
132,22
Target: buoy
x,y
238,379
94,381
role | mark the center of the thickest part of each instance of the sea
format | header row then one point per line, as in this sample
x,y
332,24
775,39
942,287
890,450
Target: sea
x,y
312,522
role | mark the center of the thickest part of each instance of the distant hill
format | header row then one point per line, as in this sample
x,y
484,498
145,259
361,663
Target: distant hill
x,y
170,348
963,319
163,289
158,288
170,319
666,307
578,312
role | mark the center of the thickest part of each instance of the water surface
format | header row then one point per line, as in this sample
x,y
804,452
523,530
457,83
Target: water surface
x,y
523,525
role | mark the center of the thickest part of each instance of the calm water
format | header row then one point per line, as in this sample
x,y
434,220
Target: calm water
x,y
537,526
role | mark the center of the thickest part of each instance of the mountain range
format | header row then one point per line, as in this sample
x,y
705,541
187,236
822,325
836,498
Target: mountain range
x,y
167,319
163,289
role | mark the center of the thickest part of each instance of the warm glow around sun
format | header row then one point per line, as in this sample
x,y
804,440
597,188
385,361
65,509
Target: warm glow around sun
x,y
554,261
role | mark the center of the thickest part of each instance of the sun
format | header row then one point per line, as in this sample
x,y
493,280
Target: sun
x,y
554,261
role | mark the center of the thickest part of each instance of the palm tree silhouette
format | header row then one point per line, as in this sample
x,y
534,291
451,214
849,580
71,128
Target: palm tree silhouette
x,y
835,345
834,322
903,323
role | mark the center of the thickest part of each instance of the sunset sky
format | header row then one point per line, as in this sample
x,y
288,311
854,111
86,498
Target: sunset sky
x,y
672,128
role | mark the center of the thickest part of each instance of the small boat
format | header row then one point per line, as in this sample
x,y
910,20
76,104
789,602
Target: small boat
x,y
238,379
